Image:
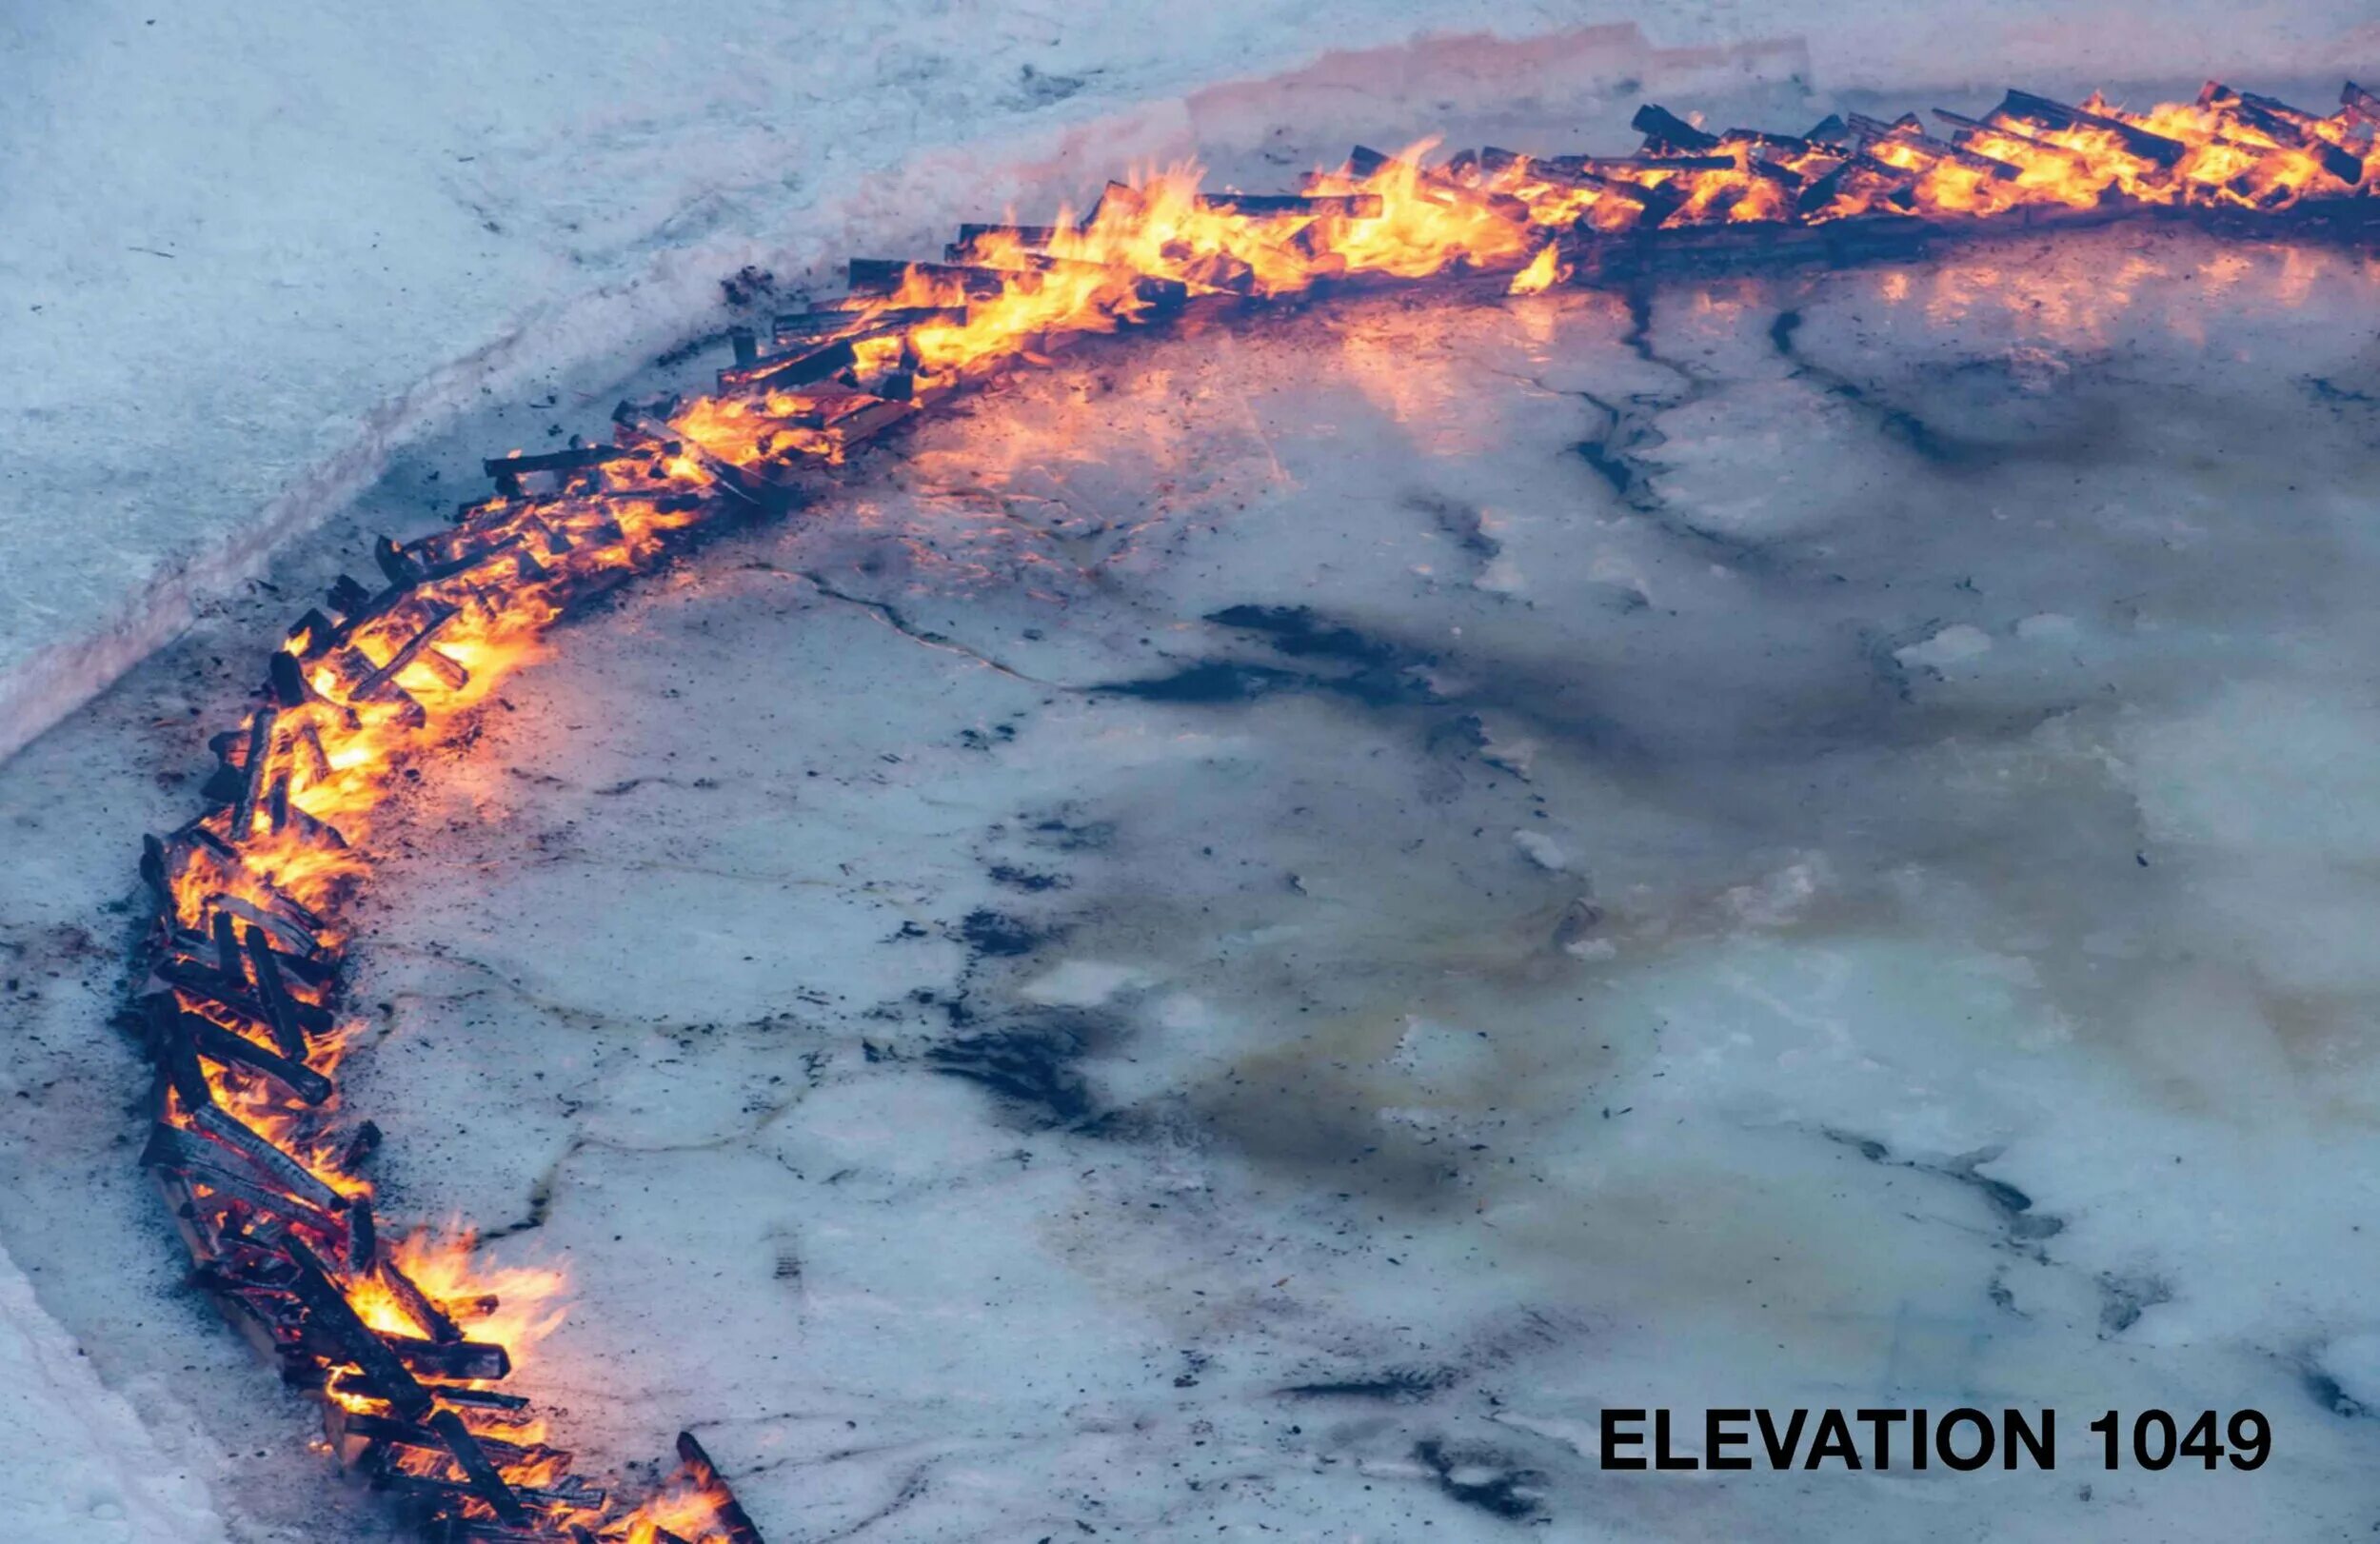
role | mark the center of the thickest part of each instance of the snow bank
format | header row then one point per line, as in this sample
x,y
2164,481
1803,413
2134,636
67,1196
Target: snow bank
x,y
101,1479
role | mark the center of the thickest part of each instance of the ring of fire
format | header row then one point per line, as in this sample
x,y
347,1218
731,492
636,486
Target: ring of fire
x,y
406,1336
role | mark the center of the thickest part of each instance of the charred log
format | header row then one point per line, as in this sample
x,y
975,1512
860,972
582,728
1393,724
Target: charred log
x,y
1667,132
1339,206
726,1509
389,1377
2023,107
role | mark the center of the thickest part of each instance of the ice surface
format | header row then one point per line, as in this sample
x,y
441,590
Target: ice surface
x,y
1021,1002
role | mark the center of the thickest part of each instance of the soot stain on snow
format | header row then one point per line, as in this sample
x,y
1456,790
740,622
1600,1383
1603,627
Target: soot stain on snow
x,y
1484,1478
2125,1296
1299,632
2012,1206
2048,420
1466,522
1396,1385
1032,1060
1382,673
997,935
2332,1397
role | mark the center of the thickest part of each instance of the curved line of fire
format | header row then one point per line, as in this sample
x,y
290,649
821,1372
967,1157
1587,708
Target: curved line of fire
x,y
406,1336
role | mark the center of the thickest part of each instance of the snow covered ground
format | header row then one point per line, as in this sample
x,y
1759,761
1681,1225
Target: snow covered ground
x,y
83,1467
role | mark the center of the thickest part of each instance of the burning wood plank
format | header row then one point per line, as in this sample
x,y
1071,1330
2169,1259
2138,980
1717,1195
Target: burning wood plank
x,y
380,681
281,1009
1907,133
1318,206
2023,107
469,1360
268,1160
1628,166
206,985
826,322
227,1048
2284,125
725,1508
577,458
389,1379
169,1147
818,363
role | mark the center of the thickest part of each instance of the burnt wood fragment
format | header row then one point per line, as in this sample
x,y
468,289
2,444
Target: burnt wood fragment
x,y
1968,128
726,1509
204,1162
1907,133
289,681
744,482
474,1360
1339,206
252,773
820,323
174,1047
576,458
288,1031
267,1159
870,421
153,871
229,958
1665,129
387,1376
289,938
446,1492
380,680
417,1303
363,1235
371,1428
479,1398
347,595
1763,140
1620,166
361,1146
2026,107
884,275
394,564
1022,235
2359,105
208,985
312,634
219,1045
473,1460
2284,125
813,365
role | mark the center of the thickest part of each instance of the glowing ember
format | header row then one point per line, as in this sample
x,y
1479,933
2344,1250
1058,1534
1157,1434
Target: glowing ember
x,y
408,1337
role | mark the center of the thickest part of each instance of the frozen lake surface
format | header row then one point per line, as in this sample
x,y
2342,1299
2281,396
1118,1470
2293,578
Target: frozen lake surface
x,y
1250,931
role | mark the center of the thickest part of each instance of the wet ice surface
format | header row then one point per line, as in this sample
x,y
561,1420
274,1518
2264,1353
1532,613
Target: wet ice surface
x,y
1247,933
1257,929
